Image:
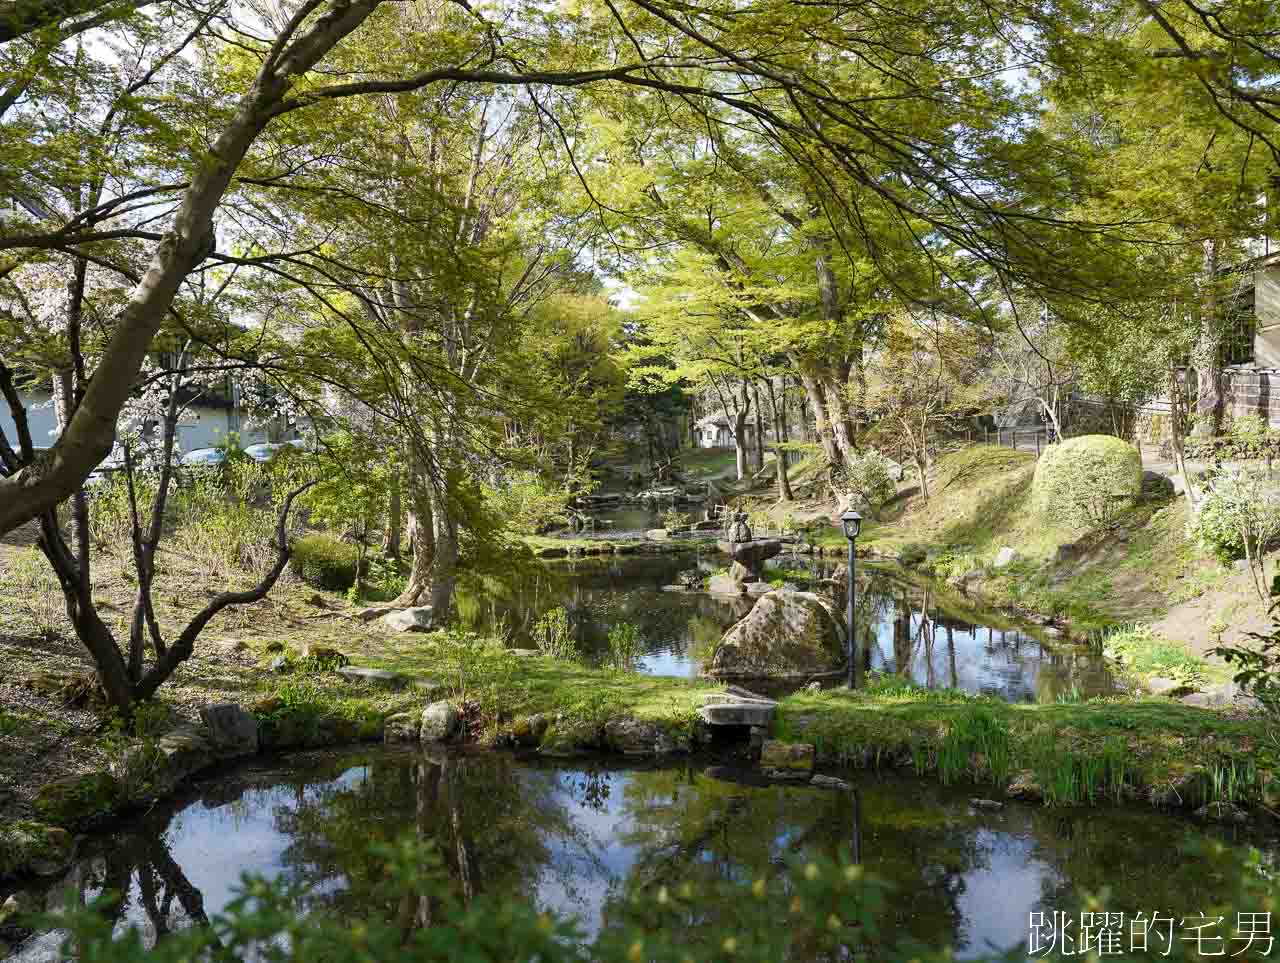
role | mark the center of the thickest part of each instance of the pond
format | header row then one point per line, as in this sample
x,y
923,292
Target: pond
x,y
579,838
919,629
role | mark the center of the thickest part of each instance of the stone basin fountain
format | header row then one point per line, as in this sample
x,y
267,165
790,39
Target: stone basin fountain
x,y
748,551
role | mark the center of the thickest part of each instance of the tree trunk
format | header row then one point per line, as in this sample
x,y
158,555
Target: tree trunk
x,y
421,529
392,535
740,443
445,567
821,422
759,450
1207,353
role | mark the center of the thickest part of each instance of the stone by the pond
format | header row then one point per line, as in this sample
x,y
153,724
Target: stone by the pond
x,y
657,534
1158,685
1024,786
571,737
326,655
27,846
529,730
725,585
416,619
146,771
739,572
635,737
402,727
440,722
1222,694
828,782
786,634
1222,812
990,804
232,730
757,589
737,713
1004,558
77,800
383,678
786,760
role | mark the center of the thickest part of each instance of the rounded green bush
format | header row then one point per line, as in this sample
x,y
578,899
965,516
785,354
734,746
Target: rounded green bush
x,y
325,562
1087,481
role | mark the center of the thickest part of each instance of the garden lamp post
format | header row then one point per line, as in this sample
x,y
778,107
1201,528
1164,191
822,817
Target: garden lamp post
x,y
851,521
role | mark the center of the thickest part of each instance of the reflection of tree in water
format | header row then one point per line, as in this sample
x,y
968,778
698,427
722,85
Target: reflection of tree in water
x,y
152,891
691,828
499,826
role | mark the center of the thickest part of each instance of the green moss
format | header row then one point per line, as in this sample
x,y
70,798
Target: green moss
x,y
29,847
76,800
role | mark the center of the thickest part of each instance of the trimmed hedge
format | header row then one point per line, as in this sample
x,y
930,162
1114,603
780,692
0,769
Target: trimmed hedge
x,y
325,562
1087,481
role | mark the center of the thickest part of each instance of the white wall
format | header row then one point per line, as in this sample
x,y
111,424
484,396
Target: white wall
x,y
40,419
202,428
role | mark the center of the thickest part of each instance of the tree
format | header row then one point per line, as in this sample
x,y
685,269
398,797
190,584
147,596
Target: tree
x,y
926,378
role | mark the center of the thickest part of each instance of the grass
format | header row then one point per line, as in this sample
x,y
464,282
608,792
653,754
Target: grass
x,y
1144,653
1073,753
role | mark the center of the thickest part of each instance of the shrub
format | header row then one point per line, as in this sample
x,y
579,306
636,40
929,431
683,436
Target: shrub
x,y
554,637
1239,518
625,646
868,475
1087,481
325,562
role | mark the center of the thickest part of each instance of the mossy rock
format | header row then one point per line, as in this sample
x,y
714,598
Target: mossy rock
x,y
77,800
571,737
785,635
32,848
1087,480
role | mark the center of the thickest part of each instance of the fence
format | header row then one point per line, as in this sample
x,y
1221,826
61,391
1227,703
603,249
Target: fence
x,y
1136,423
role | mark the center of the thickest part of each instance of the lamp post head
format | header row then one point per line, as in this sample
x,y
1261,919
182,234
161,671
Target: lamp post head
x,y
851,521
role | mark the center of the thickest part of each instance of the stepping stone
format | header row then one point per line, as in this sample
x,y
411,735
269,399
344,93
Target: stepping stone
x,y
737,713
378,677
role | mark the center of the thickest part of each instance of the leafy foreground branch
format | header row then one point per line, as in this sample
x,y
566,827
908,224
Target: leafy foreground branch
x,y
817,911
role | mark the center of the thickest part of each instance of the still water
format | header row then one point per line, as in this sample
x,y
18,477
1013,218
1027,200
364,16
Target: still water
x,y
580,838
921,630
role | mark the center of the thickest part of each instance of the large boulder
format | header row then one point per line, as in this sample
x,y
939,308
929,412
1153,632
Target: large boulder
x,y
440,722
77,800
31,847
232,730
417,619
636,737
786,634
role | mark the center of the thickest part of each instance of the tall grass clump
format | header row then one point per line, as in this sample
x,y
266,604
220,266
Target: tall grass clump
x,y
554,636
625,646
977,741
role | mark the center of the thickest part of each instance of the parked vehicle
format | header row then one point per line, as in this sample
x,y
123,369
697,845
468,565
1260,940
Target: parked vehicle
x,y
204,458
263,452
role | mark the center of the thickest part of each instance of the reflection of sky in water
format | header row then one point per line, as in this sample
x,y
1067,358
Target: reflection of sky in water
x,y
966,876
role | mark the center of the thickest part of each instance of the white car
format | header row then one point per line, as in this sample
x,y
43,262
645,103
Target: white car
x,y
263,452
204,458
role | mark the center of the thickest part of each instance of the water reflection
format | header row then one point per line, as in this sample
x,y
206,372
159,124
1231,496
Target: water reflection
x,y
581,839
925,632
